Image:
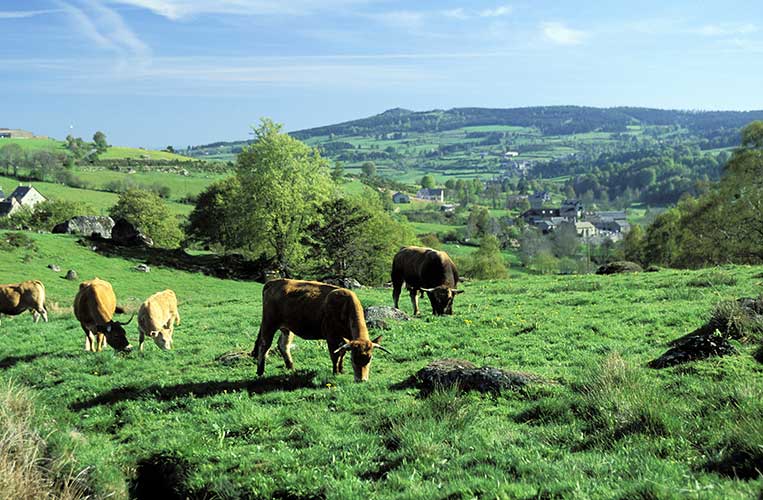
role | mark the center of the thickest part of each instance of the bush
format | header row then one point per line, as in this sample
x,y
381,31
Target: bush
x,y
430,240
487,262
148,212
738,319
713,278
13,241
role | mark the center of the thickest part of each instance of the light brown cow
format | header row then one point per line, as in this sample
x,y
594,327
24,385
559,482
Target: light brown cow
x,y
315,311
25,296
157,318
94,307
425,270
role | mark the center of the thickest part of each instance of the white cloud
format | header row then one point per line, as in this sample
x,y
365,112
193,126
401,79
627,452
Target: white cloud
x,y
560,34
21,14
501,11
458,13
405,19
106,28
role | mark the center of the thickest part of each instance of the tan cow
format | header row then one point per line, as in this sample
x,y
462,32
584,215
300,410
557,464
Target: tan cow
x,y
25,296
315,311
94,307
425,270
157,318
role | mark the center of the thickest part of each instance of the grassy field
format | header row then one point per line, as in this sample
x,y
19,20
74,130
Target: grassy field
x,y
113,153
601,426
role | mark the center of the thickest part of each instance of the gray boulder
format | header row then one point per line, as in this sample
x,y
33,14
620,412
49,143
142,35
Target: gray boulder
x,y
125,234
54,268
349,283
377,317
466,376
71,274
86,225
143,268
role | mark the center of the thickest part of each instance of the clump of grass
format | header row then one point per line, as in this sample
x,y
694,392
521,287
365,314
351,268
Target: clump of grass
x,y
617,401
738,319
25,471
740,453
712,279
12,241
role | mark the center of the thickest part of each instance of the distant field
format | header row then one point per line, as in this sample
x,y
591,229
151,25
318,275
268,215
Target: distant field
x,y
180,185
113,153
597,423
99,200
32,145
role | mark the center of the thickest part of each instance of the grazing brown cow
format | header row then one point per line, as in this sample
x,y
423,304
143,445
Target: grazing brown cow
x,y
315,311
94,307
25,296
157,318
425,270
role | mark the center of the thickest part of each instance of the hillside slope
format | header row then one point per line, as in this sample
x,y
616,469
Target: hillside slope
x,y
603,426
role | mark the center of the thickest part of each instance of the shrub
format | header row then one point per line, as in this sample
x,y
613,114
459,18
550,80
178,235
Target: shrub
x,y
713,278
12,241
487,262
738,319
150,214
430,240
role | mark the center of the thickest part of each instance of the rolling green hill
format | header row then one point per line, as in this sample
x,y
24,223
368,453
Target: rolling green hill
x,y
113,153
197,422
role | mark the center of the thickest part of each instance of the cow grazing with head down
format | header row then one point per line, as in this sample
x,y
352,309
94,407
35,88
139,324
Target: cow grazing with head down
x,y
157,318
94,307
425,270
25,296
314,311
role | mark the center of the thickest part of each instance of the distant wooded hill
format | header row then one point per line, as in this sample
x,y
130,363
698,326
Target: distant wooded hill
x,y
549,120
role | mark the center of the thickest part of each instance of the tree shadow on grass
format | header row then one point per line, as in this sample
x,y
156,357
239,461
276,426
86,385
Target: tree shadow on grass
x,y
11,361
302,379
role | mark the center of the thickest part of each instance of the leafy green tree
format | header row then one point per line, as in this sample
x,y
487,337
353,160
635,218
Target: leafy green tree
x,y
148,212
337,172
427,182
43,165
216,219
633,245
368,168
12,156
99,141
478,223
487,262
283,182
565,240
51,212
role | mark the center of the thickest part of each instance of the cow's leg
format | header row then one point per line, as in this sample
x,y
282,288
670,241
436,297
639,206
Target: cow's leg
x,y
101,341
89,340
264,341
44,313
397,287
284,347
336,358
35,316
141,339
415,301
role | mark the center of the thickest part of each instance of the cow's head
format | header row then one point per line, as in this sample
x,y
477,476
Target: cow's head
x,y
441,299
361,352
116,336
163,336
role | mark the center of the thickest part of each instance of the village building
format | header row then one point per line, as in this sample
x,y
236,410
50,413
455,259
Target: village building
x,y
400,198
571,209
539,198
9,133
431,194
22,196
585,229
448,208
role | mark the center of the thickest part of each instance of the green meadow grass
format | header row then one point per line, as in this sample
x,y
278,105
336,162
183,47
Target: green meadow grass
x,y
179,185
602,426
113,153
36,144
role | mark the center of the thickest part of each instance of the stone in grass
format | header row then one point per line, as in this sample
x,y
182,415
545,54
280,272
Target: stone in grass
x,y
466,376
71,275
143,268
621,266
233,357
694,347
377,317
54,268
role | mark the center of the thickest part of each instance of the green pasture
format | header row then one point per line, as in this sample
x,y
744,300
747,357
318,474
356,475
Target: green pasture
x,y
179,185
196,422
121,152
36,144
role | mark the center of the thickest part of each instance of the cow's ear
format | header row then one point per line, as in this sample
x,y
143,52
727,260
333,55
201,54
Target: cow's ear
x,y
153,333
456,292
376,340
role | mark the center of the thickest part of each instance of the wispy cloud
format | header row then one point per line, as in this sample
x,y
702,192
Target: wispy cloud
x,y
503,10
178,9
108,30
561,34
403,19
725,29
21,14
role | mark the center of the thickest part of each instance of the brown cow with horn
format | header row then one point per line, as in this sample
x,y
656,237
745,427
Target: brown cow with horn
x,y
25,296
314,311
94,307
425,270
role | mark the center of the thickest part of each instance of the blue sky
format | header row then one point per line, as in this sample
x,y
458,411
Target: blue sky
x,y
183,72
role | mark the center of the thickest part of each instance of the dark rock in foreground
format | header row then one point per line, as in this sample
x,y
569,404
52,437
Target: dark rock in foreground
x,y
621,266
466,376
125,234
86,225
700,346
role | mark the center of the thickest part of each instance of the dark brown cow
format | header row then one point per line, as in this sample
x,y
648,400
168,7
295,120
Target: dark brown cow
x,y
25,296
94,307
425,270
315,311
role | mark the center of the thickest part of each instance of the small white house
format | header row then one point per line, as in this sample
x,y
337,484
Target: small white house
x,y
431,194
22,196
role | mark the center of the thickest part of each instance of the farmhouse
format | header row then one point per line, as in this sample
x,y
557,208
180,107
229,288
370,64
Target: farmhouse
x,y
535,215
585,229
400,198
9,133
431,194
22,196
571,209
539,198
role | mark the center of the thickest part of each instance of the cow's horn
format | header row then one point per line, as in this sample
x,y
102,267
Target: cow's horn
x,y
126,322
342,347
427,289
456,292
379,346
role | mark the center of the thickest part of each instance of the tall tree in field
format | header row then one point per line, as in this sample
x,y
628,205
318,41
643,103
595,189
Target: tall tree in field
x,y
427,182
99,140
283,182
11,156
369,168
150,214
